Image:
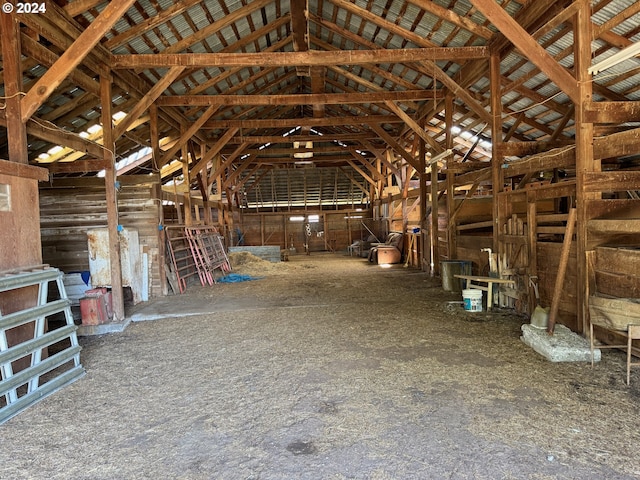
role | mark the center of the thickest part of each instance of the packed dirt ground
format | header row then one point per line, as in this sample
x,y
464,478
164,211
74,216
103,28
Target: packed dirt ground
x,y
328,367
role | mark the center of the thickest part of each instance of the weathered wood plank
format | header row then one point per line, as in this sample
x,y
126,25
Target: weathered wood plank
x,y
612,112
618,181
308,58
294,99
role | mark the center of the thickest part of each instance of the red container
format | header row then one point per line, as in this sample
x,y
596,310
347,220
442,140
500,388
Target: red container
x,y
95,292
93,310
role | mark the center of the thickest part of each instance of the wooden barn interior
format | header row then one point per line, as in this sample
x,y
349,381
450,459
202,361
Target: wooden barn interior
x,y
505,134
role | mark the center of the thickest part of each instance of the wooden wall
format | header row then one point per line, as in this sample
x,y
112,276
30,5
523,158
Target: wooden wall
x,y
70,207
335,231
20,243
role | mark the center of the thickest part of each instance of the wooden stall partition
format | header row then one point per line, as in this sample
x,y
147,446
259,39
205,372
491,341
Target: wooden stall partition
x,y
71,207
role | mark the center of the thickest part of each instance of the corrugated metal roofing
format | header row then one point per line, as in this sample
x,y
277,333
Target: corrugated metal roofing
x,y
331,23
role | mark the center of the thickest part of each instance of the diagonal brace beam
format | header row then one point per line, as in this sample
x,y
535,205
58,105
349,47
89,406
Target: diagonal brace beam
x,y
72,57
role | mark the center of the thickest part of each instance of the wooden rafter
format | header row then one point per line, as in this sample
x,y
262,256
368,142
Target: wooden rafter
x,y
147,100
72,57
523,41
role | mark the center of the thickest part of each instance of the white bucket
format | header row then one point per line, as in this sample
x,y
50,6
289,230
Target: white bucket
x,y
472,300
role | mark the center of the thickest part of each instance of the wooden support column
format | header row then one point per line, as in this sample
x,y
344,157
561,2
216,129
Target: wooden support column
x,y
188,214
532,232
584,154
205,193
109,143
12,65
425,263
155,156
435,244
497,178
452,231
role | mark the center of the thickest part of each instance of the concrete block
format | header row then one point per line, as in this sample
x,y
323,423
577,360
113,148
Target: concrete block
x,y
563,346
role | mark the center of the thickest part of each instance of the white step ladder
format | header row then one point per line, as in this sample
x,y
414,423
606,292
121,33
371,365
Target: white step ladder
x,y
44,376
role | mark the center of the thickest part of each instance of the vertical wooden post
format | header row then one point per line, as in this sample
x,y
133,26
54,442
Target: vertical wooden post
x,y
452,232
532,240
109,143
497,177
188,214
158,194
206,206
584,152
435,243
12,69
425,263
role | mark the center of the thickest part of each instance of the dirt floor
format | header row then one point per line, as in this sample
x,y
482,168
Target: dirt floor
x,y
327,367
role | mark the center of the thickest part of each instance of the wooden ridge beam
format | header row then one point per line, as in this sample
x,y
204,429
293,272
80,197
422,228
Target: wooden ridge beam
x,y
309,58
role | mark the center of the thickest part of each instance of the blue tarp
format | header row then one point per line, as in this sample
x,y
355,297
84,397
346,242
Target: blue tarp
x,y
235,278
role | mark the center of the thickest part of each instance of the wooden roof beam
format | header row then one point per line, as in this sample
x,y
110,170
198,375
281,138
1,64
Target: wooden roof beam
x,y
294,99
213,28
414,126
72,57
146,101
309,58
354,181
300,122
523,41
325,138
395,146
187,135
213,151
299,25
148,24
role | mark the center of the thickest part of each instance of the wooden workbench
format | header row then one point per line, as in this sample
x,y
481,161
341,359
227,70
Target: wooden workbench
x,y
468,283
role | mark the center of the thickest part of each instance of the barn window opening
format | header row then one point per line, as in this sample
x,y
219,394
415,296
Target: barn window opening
x,y
5,197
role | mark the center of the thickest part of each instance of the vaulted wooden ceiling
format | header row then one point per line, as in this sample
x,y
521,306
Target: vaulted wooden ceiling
x,y
233,80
